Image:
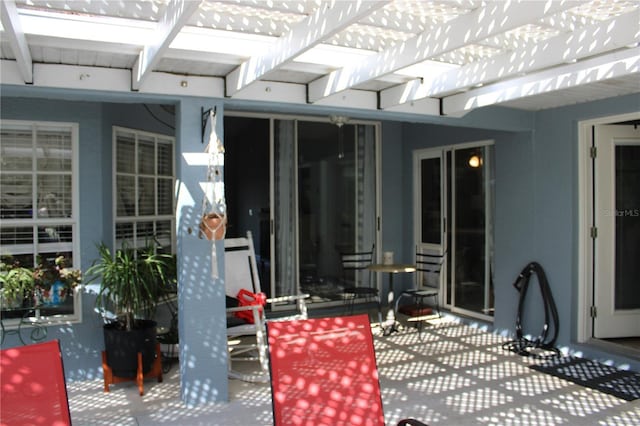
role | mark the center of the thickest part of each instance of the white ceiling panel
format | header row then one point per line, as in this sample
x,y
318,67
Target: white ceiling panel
x,y
5,50
191,67
291,76
587,93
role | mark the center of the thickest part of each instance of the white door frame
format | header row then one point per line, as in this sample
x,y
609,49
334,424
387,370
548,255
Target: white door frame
x,y
432,152
585,258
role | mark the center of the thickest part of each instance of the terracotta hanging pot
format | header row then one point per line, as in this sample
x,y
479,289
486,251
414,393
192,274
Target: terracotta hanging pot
x,y
213,226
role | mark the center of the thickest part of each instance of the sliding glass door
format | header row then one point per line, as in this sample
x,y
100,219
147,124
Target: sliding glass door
x,y
322,199
454,217
334,195
472,235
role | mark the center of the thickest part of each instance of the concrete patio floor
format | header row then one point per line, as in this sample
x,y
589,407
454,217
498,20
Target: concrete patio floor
x,y
452,374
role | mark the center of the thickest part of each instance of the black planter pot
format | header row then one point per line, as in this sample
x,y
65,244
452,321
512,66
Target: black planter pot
x,y
122,347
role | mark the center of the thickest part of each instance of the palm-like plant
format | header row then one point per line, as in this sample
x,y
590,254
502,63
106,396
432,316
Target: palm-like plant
x,y
132,281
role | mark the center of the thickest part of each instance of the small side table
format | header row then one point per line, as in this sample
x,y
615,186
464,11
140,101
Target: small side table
x,y
391,269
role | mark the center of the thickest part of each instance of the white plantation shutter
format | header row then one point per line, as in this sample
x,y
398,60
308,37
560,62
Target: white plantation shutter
x,y
165,176
146,196
143,193
125,153
53,150
125,196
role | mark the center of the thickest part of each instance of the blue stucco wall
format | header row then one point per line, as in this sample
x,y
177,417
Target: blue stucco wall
x,y
513,221
555,195
82,343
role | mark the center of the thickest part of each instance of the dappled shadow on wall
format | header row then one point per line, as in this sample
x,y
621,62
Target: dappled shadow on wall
x,y
202,321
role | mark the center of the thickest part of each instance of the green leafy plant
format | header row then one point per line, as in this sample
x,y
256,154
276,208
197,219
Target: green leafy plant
x,y
132,281
48,273
17,282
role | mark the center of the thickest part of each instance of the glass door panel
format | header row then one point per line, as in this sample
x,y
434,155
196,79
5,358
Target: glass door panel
x,y
333,202
431,200
627,224
247,184
326,181
284,240
449,227
470,229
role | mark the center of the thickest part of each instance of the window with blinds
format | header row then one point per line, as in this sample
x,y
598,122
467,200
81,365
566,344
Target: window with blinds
x,y
143,189
38,198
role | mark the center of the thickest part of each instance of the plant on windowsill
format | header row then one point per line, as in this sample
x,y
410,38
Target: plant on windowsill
x,y
16,282
54,281
132,283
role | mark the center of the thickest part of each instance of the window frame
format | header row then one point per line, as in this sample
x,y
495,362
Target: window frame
x,y
38,319
136,217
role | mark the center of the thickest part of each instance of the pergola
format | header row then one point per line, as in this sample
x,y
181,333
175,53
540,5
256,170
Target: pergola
x,y
419,57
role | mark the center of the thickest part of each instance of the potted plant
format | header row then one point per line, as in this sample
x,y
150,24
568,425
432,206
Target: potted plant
x,y
54,281
17,284
132,282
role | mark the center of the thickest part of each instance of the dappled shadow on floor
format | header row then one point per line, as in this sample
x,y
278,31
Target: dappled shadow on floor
x,y
450,374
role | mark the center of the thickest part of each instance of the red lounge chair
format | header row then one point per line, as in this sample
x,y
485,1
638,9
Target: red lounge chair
x,y
323,372
33,386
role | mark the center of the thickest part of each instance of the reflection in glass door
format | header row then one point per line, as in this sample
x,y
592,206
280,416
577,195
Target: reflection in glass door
x,y
454,217
307,191
336,202
627,294
471,234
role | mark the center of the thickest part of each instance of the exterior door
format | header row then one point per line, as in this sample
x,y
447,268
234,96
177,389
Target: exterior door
x,y
454,217
616,243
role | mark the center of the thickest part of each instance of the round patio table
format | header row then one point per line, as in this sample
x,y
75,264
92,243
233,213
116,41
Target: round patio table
x,y
391,269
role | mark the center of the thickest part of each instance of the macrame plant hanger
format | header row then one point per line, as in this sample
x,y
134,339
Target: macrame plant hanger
x,y
213,222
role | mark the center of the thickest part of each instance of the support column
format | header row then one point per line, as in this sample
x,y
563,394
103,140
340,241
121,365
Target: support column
x,y
201,302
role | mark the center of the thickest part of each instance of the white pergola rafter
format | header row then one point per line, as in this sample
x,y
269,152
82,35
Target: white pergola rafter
x,y
483,22
174,18
17,40
326,22
613,65
589,41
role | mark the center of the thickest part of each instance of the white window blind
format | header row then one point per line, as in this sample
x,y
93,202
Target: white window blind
x,y
143,189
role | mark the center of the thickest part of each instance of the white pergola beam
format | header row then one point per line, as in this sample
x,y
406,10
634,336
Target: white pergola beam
x,y
174,18
327,21
614,65
17,40
589,41
492,19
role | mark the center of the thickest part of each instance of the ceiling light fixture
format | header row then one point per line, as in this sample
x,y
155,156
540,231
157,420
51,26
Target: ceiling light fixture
x,y
338,120
475,161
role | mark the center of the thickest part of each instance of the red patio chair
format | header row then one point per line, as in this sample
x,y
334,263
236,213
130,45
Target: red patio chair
x,y
323,372
33,386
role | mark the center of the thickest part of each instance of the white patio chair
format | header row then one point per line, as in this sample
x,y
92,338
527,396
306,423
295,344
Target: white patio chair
x,y
246,341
